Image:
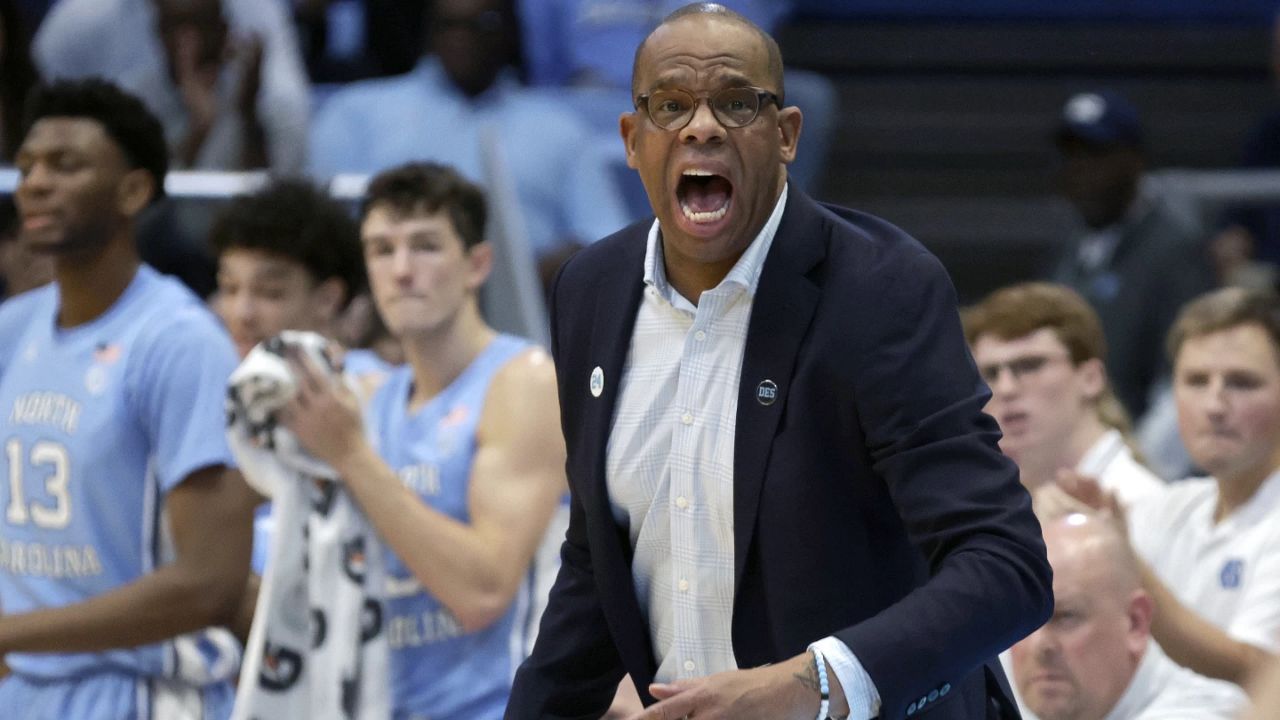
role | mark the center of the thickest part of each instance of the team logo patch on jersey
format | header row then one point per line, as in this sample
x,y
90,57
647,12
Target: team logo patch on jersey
x,y
456,417
95,379
1232,574
281,667
104,356
106,353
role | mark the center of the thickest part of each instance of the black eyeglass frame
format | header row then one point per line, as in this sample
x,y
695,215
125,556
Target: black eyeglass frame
x,y
761,94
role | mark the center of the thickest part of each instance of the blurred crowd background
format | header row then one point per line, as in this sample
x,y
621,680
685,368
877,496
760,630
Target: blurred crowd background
x,y
937,115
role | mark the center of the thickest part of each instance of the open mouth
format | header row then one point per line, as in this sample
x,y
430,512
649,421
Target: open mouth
x,y
704,196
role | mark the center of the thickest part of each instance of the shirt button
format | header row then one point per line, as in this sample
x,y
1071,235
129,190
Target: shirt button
x,y
682,502
688,665
700,335
687,418
683,585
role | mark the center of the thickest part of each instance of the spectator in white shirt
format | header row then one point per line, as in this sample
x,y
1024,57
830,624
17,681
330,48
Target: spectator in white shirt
x,y
1041,348
1211,546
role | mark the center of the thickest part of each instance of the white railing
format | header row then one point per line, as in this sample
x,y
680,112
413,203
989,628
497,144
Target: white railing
x,y
512,298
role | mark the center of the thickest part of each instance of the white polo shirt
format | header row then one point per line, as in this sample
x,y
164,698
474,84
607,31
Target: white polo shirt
x,y
1227,572
1112,462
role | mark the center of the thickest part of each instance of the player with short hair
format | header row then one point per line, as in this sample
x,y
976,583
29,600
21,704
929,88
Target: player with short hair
x,y
124,525
459,460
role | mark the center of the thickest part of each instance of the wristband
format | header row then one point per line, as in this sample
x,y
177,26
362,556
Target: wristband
x,y
824,708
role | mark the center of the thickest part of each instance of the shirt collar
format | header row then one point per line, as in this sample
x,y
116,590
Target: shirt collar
x,y
1258,507
1101,453
1149,678
744,274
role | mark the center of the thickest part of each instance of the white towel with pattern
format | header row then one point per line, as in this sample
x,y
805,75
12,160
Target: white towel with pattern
x,y
318,647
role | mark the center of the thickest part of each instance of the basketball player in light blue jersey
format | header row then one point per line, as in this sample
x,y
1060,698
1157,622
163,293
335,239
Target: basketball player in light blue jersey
x,y
289,258
124,532
459,461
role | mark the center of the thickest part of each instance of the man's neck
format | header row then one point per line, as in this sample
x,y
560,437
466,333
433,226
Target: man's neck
x,y
1238,489
89,285
438,358
691,280
1041,468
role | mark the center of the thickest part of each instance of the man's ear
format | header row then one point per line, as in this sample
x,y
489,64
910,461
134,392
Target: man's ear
x,y
1093,376
790,120
327,298
1141,609
480,264
628,127
135,191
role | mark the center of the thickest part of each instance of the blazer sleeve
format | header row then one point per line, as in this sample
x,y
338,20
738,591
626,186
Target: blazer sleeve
x,y
919,400
574,669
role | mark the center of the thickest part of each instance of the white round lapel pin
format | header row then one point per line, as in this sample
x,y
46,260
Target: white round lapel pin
x,y
597,382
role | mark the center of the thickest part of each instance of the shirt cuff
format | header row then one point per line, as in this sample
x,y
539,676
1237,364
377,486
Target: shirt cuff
x,y
859,691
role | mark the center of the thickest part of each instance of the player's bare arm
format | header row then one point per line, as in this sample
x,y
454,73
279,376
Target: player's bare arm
x,y
201,588
516,482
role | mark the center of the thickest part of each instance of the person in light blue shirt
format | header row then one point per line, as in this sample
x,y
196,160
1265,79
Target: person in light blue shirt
x,y
458,98
457,462
125,531
289,258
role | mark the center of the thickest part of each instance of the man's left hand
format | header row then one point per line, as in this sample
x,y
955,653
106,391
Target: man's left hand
x,y
773,692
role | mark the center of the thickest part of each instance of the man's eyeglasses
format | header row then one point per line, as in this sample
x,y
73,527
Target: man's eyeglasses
x,y
734,107
1021,367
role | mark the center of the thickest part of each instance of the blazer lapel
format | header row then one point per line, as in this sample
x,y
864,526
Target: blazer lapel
x,y
780,314
616,298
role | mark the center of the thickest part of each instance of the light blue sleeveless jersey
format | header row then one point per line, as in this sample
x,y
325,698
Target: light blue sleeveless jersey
x,y
437,670
97,424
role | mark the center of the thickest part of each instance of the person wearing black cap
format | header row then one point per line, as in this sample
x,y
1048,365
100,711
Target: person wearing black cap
x,y
1137,258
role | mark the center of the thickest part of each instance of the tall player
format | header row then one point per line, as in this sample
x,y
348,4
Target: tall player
x,y
462,466
123,526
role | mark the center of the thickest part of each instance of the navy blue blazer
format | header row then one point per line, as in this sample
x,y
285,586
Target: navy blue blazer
x,y
870,499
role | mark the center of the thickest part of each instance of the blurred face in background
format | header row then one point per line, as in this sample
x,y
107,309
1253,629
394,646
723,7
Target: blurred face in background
x,y
421,273
474,40
1038,395
261,294
1101,181
194,34
75,188
1227,388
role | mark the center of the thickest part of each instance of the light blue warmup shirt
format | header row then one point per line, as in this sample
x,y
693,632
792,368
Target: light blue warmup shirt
x,y
98,423
437,670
